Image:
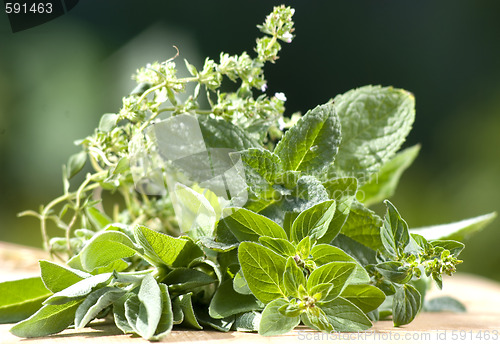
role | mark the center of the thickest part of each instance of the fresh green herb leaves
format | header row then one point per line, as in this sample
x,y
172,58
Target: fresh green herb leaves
x,y
263,223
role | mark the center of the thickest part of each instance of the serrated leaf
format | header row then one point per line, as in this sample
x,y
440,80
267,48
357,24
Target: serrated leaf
x,y
165,249
345,316
48,320
219,133
249,226
264,163
263,270
363,225
375,122
183,279
103,249
365,297
79,289
21,298
75,164
312,143
324,254
382,185
459,231
313,222
57,277
273,322
108,122
394,232
95,303
227,302
336,273
195,213
405,305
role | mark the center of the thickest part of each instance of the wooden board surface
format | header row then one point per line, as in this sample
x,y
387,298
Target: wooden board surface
x,y
481,322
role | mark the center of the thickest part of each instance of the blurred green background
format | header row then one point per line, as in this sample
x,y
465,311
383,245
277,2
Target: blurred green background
x,y
57,79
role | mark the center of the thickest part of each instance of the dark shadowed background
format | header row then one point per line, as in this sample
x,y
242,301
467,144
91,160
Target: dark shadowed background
x,y
57,79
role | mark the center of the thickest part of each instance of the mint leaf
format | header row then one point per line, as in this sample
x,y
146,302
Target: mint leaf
x,y
98,218
375,122
165,249
382,185
313,222
57,277
336,273
249,226
48,320
363,225
21,298
219,133
75,164
312,143
345,316
263,270
265,164
457,230
226,302
406,304
365,297
273,322
394,232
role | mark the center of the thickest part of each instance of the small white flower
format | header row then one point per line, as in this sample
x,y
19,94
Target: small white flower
x,y
281,123
281,96
263,88
287,37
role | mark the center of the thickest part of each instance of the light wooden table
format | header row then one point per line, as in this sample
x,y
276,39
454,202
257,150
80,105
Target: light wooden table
x,y
480,324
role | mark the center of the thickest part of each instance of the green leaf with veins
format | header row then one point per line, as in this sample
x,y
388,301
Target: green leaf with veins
x,y
227,302
165,249
293,277
263,270
273,322
406,305
336,273
365,297
249,226
344,316
16,305
94,303
312,143
363,225
313,222
375,122
280,246
57,277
